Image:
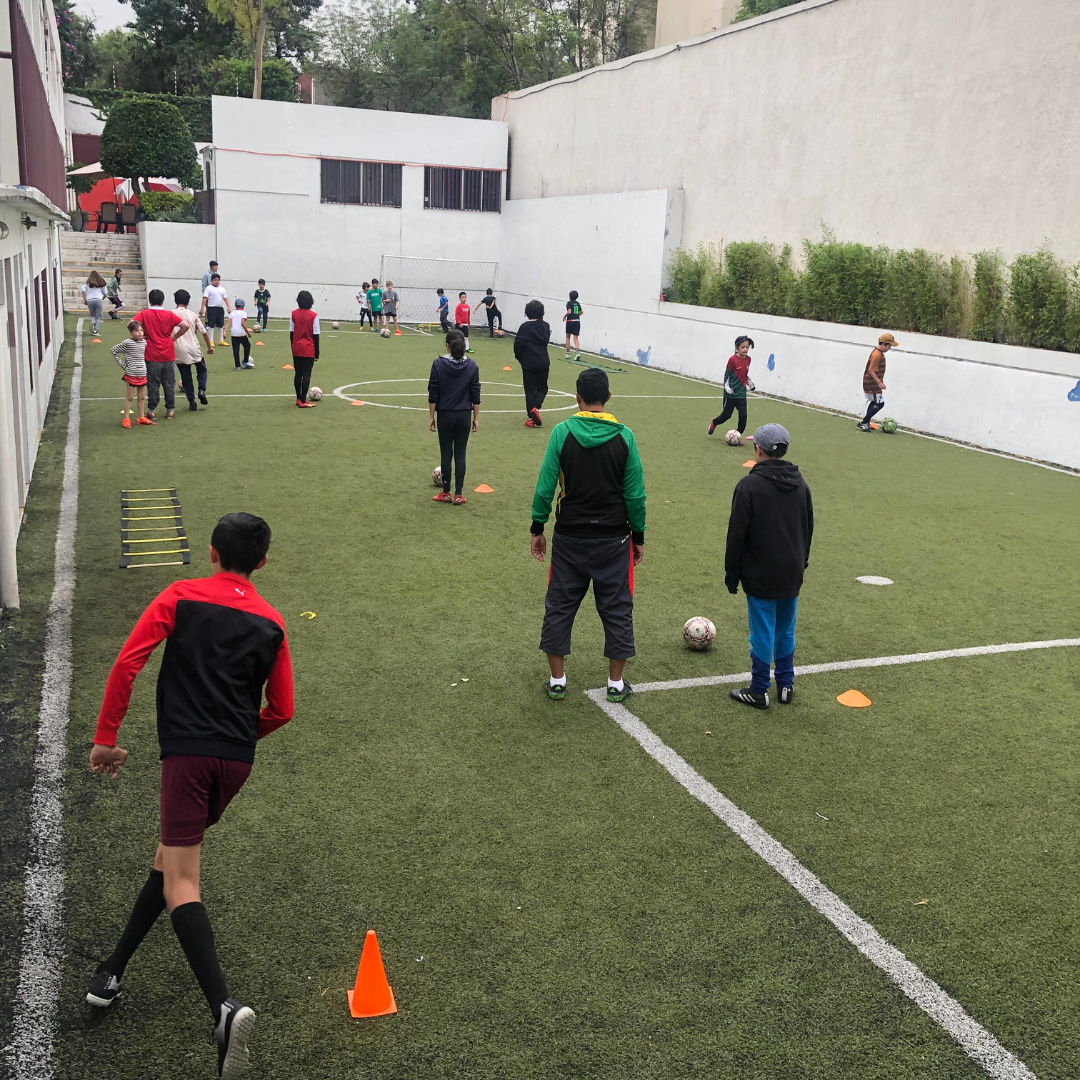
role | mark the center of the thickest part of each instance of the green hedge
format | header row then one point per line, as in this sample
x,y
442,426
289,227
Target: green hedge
x,y
167,205
1034,301
195,110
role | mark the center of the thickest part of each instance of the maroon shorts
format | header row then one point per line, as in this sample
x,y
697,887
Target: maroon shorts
x,y
134,380
194,793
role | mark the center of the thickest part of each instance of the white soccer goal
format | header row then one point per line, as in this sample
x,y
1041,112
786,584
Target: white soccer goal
x,y
415,281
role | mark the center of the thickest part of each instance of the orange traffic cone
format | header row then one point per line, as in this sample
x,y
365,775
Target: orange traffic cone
x,y
371,996
854,699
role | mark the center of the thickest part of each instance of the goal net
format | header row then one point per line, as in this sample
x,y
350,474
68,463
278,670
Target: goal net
x,y
415,281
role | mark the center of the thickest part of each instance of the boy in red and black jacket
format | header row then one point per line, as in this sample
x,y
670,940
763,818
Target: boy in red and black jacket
x,y
304,339
223,644
736,383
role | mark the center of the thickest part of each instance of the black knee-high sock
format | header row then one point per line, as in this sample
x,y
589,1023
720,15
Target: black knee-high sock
x,y
192,926
149,904
874,408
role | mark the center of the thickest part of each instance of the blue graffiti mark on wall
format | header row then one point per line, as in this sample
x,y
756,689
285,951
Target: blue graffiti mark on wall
x,y
609,355
1074,393
772,361
643,357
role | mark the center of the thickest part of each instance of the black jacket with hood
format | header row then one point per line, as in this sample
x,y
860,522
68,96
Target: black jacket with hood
x,y
453,385
531,344
769,531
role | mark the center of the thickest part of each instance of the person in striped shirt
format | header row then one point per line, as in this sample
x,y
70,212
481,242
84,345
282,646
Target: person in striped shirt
x,y
131,356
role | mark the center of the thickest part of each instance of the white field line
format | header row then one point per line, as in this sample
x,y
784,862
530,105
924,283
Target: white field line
x,y
973,1038
868,662
38,991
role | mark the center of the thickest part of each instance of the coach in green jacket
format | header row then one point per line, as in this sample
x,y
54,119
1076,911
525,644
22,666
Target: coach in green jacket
x,y
599,530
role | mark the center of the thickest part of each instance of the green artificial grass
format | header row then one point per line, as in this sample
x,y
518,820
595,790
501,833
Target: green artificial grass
x,y
549,902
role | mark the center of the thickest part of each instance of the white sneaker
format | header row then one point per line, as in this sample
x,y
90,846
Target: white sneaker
x,y
248,364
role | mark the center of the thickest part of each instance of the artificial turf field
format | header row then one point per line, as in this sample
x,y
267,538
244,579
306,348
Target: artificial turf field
x,y
549,902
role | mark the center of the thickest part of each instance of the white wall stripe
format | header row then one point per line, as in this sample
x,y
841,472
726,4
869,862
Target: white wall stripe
x,y
868,662
974,1039
38,991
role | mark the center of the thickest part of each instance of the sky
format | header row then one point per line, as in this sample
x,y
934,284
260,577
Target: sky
x,y
105,13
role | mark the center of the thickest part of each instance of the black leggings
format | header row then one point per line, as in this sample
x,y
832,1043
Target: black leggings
x,y
493,313
236,343
535,381
730,405
302,366
453,428
364,313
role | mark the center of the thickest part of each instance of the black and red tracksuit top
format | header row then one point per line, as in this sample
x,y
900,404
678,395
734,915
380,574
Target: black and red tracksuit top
x,y
223,643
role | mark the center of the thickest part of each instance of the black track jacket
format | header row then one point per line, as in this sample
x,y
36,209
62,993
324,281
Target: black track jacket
x,y
769,531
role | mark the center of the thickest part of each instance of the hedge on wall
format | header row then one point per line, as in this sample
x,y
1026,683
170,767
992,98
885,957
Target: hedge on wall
x,y
1035,301
167,205
195,110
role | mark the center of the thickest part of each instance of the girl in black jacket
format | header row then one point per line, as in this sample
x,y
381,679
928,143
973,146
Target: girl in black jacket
x,y
453,394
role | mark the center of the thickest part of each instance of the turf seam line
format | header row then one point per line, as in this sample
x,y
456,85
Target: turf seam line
x,y
944,1010
38,992
868,662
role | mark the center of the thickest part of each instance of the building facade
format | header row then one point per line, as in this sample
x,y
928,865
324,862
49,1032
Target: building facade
x,y
32,196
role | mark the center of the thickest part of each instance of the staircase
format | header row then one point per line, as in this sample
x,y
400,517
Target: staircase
x,y
104,252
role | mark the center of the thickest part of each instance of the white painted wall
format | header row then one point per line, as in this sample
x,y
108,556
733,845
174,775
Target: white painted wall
x,y
271,222
946,125
175,256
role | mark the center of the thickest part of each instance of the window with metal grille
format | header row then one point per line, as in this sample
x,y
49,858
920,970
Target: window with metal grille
x,y
361,183
462,189
46,322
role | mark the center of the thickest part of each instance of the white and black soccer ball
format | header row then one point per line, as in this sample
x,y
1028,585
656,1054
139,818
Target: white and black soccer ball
x,y
336,325
498,333
386,331
314,394
436,476
698,633
733,437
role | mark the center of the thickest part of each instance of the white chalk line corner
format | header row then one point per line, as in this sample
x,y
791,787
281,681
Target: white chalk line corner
x,y
918,987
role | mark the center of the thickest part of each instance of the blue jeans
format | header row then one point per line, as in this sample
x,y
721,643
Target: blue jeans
x,y
260,314
772,640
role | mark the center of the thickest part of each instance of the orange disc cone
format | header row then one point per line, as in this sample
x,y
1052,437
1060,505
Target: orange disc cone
x,y
508,369
287,367
371,996
853,699
258,342
357,403
484,489
748,464
96,341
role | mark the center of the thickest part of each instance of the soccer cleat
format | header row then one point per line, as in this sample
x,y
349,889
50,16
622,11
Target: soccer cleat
x,y
567,357
784,694
232,1033
619,695
193,407
299,403
556,693
104,988
535,414
126,422
863,426
459,499
530,422
202,398
748,697
170,415
712,427
397,333
577,356
151,415
249,364
443,496
147,421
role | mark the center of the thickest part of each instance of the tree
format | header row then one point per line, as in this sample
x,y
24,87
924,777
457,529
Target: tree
x,y
172,42
76,43
146,137
750,9
252,19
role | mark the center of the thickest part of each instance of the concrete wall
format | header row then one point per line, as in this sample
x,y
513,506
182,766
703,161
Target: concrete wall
x,y
680,20
947,125
272,223
175,256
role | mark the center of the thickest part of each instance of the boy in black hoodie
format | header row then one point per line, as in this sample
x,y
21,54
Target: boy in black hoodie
x,y
531,350
768,548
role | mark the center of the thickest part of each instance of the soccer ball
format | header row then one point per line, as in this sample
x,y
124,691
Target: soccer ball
x,y
336,325
698,633
733,437
436,476
888,425
386,331
498,333
314,394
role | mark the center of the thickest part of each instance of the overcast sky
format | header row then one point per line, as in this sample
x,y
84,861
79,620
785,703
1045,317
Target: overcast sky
x,y
105,13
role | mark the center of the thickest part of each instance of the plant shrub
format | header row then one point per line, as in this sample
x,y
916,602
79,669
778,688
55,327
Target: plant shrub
x,y
167,205
145,137
685,271
1037,305
196,111
843,283
756,278
988,297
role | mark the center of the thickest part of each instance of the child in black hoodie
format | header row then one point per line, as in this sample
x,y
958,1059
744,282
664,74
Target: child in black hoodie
x,y
453,398
768,548
531,350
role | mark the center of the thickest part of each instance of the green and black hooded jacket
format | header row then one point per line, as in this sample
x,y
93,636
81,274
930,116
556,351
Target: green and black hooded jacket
x,y
594,460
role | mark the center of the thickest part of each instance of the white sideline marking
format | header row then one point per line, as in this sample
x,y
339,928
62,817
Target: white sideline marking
x,y
868,662
973,1038
36,997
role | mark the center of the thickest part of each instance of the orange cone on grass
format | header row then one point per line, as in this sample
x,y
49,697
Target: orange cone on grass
x,y
371,996
854,699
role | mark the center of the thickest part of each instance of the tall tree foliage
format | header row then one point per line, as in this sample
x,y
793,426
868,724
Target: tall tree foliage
x,y
146,137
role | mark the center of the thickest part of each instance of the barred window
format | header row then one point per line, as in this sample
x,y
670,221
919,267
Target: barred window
x,y
361,183
462,189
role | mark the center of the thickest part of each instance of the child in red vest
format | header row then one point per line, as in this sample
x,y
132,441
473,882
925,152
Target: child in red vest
x,y
304,336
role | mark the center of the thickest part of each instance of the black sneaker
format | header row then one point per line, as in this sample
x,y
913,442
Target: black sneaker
x,y
104,988
556,693
619,695
192,407
231,1034
784,694
202,398
748,697
863,426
